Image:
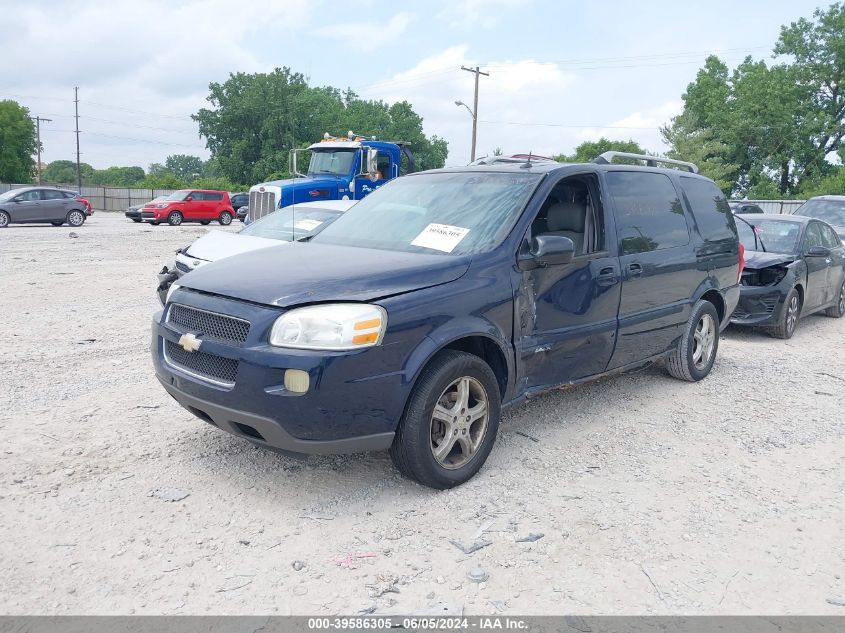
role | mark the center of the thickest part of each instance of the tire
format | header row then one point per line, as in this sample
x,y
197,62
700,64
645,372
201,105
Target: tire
x,y
5,219
57,223
695,354
225,218
837,310
75,218
136,220
205,222
785,327
174,218
449,374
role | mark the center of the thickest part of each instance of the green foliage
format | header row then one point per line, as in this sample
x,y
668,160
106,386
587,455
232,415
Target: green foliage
x,y
63,172
185,167
116,177
17,143
219,183
831,184
588,150
162,180
768,129
256,119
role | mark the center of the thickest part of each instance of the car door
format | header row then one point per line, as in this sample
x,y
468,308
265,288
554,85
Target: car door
x,y
657,260
566,314
195,209
816,292
53,205
836,270
27,207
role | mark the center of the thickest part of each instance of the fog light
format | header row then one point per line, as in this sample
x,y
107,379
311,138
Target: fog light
x,y
296,380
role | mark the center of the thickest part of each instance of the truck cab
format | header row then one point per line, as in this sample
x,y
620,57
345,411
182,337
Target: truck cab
x,y
339,169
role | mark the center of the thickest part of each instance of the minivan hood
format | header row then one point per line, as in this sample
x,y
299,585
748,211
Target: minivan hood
x,y
759,259
294,273
216,245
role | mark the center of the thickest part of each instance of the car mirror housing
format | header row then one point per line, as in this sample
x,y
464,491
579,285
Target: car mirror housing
x,y
548,250
189,199
818,251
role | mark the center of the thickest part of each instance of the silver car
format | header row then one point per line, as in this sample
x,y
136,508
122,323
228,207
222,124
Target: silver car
x,y
43,204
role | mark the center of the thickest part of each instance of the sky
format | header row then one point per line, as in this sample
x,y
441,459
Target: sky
x,y
560,72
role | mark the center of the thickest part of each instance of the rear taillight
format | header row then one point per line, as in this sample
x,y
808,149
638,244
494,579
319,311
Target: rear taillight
x,y
741,262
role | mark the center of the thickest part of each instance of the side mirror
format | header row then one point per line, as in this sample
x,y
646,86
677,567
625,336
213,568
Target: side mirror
x,y
548,250
189,199
818,251
17,199
371,161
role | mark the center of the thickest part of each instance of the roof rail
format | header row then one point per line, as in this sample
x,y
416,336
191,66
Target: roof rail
x,y
651,161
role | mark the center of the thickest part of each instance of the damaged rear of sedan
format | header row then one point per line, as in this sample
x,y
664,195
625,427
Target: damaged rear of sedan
x,y
794,267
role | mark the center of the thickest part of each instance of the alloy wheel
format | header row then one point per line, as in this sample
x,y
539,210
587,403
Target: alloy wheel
x,y
704,341
4,220
792,314
75,218
459,422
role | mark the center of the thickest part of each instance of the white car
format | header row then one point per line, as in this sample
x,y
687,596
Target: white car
x,y
285,225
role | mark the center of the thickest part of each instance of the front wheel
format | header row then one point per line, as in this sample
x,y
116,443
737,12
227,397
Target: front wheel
x,y
225,218
451,421
4,219
175,218
695,354
838,309
785,326
76,218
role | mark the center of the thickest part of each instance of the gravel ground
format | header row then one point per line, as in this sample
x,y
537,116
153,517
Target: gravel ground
x,y
653,496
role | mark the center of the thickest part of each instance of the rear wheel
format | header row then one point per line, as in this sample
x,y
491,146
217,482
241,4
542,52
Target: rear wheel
x,y
785,327
451,421
76,218
695,354
838,309
174,218
205,222
4,219
57,223
225,218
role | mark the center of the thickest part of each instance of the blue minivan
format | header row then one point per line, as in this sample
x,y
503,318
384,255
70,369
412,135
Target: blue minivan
x,y
445,296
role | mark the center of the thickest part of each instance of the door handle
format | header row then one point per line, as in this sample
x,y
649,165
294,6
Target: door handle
x,y
634,270
607,277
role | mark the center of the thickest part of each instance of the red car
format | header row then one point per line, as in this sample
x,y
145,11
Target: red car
x,y
190,205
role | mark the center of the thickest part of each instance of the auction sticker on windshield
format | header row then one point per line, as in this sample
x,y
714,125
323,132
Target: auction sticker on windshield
x,y
308,225
440,237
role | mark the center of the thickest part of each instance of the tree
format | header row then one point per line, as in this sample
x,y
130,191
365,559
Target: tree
x,y
63,172
769,128
161,180
118,176
256,119
588,150
185,167
17,143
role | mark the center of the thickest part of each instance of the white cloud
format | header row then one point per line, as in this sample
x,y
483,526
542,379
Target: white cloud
x,y
643,127
517,91
474,14
375,35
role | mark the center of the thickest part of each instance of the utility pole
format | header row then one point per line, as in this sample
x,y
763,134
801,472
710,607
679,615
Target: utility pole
x,y
38,120
78,168
477,72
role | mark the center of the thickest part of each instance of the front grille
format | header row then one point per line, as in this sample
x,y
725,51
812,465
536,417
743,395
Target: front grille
x,y
208,366
208,324
183,267
148,214
261,203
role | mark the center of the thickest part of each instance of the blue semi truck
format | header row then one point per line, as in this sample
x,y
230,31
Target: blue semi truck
x,y
340,169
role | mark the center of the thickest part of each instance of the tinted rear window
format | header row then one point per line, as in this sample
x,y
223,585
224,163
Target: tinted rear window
x,y
710,208
213,196
649,215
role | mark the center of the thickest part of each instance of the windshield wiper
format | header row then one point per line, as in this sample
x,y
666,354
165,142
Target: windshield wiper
x,y
754,232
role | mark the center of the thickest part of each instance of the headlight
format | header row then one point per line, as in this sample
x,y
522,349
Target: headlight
x,y
160,206
335,326
173,288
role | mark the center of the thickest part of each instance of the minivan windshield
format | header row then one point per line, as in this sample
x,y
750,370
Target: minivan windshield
x,y
178,195
456,213
778,236
290,223
831,211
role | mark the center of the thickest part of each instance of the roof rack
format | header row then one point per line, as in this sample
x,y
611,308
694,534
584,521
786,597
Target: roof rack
x,y
651,161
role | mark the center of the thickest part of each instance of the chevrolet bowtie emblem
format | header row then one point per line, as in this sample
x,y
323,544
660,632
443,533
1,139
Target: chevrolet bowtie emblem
x,y
189,342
